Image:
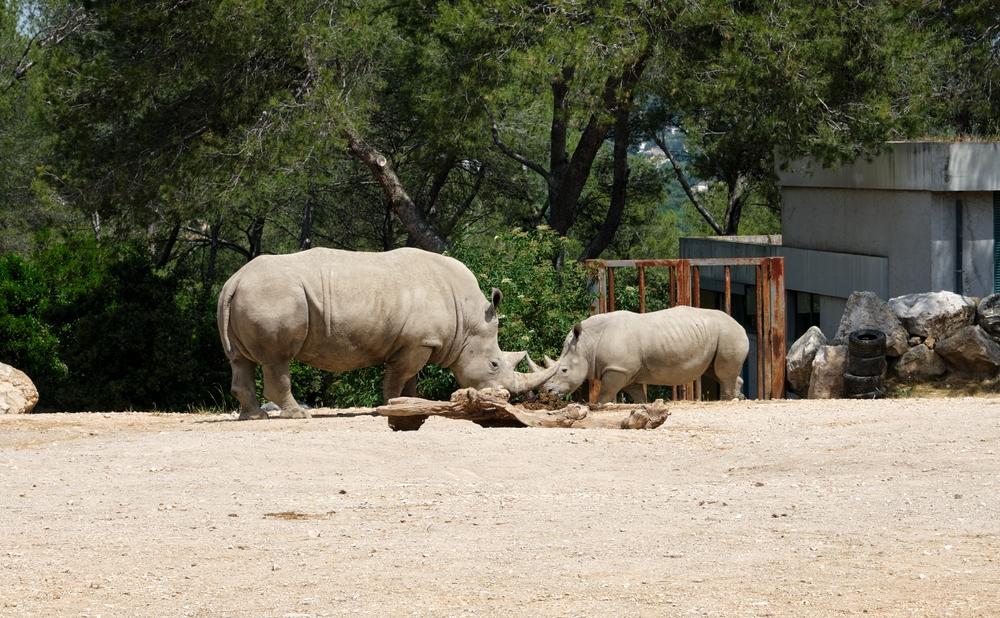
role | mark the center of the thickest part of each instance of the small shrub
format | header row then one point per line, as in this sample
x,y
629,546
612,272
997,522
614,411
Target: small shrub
x,y
540,303
97,327
26,341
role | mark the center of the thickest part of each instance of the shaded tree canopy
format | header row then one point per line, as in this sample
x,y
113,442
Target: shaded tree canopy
x,y
221,129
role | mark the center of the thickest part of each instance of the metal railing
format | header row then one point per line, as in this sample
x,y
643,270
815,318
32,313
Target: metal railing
x,y
685,289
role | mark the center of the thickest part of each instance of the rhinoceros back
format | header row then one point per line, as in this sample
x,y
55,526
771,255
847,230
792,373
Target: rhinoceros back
x,y
341,310
670,346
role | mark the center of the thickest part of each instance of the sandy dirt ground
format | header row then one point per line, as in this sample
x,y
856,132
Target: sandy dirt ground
x,y
884,508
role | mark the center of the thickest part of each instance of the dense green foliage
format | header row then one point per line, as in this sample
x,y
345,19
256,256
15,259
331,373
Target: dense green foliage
x,y
97,327
182,139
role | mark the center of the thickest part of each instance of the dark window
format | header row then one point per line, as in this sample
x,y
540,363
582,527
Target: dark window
x,y
806,312
745,309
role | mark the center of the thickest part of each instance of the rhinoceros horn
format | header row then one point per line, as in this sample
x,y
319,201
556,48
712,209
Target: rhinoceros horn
x,y
524,382
549,363
531,363
513,358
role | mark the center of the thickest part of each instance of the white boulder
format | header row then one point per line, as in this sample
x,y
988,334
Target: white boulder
x,y
827,379
18,394
933,314
866,310
799,360
970,350
920,363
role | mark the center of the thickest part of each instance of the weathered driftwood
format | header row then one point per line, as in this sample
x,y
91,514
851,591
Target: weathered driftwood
x,y
492,407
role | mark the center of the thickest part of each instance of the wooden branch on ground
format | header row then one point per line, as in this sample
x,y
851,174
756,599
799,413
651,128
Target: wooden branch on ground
x,y
492,406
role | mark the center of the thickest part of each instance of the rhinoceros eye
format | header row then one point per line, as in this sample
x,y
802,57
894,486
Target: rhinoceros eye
x,y
494,364
565,369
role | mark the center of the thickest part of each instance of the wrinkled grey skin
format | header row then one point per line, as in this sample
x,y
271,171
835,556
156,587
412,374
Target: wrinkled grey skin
x,y
625,350
343,310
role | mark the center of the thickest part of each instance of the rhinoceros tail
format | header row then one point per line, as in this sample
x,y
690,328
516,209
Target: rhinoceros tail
x,y
225,299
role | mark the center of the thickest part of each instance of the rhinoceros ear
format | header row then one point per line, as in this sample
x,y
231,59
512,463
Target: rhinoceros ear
x,y
491,310
577,329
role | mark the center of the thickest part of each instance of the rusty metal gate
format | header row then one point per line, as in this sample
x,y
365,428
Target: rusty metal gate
x,y
685,289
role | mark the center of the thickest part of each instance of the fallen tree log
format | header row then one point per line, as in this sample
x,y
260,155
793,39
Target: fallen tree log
x,y
492,407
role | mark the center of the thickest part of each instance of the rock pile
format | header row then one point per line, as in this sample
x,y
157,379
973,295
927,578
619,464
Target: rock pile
x,y
928,336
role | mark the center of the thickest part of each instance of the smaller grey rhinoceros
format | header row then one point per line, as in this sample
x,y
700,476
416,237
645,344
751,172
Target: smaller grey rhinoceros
x,y
342,310
674,346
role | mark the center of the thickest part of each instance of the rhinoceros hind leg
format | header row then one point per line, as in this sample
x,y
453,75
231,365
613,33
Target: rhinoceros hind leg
x,y
244,389
278,388
730,387
728,365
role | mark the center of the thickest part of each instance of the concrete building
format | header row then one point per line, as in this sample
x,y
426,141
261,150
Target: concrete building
x,y
922,216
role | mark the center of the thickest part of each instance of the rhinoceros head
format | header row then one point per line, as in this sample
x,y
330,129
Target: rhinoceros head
x,y
572,367
482,364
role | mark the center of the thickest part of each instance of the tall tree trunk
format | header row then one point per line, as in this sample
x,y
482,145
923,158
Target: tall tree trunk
x,y
409,214
255,234
619,184
168,246
564,196
213,249
567,175
388,234
737,193
619,92
305,232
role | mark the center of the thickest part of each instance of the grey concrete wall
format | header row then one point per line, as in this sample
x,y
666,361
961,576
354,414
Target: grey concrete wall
x,y
893,224
977,243
919,166
834,274
716,247
817,272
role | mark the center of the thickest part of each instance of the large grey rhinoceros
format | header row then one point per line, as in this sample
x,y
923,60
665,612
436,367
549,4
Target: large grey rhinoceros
x,y
343,310
674,346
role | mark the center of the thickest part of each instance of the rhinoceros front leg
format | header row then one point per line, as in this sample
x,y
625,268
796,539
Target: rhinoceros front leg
x,y
244,389
401,379
612,381
278,388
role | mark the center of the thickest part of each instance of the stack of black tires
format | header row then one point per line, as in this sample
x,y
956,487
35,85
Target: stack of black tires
x,y
865,375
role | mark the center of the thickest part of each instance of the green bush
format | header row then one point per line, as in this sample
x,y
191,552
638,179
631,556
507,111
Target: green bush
x,y
26,341
98,328
540,303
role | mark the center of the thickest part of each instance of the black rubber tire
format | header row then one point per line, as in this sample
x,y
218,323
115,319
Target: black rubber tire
x,y
856,385
866,343
879,394
860,366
